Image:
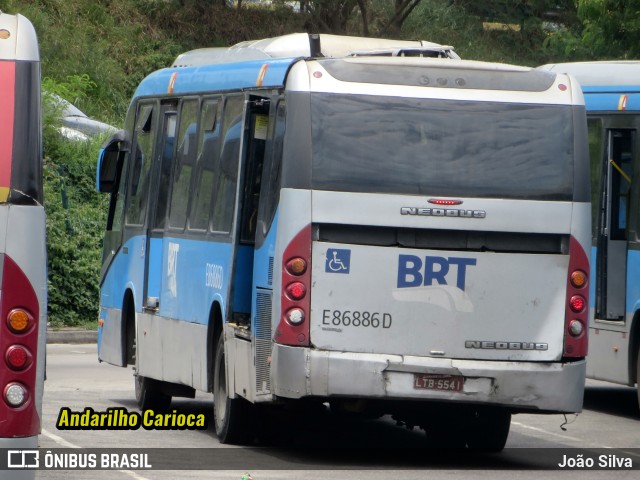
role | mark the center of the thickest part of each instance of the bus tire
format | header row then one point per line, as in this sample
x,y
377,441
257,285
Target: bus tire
x,y
149,396
231,417
484,429
488,429
638,372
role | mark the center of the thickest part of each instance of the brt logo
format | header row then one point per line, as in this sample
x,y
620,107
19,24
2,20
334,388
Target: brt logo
x,y
413,272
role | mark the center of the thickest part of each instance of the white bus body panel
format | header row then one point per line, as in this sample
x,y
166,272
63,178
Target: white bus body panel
x,y
515,300
384,210
312,76
520,310
599,73
608,357
20,44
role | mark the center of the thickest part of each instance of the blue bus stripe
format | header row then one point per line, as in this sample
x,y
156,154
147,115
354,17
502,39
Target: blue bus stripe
x,y
609,101
211,78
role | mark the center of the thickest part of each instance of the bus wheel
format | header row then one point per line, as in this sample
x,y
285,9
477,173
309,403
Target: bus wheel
x,y
474,428
638,374
149,396
488,429
232,417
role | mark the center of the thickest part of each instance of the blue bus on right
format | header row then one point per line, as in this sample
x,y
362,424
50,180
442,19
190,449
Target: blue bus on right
x,y
612,98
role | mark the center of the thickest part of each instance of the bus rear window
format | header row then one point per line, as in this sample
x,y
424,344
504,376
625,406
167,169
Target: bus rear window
x,y
396,145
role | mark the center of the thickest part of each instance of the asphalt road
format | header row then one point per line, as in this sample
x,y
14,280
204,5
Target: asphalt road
x,y
76,380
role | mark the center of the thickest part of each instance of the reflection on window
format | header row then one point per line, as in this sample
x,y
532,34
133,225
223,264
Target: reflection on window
x,y
118,210
596,154
184,163
621,180
374,144
164,182
227,176
141,165
269,201
208,156
253,174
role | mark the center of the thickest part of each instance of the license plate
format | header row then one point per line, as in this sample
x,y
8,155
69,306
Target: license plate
x,y
449,383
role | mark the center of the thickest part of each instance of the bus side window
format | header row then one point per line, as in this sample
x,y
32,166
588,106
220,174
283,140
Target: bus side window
x,y
165,155
142,151
270,188
113,234
633,228
208,156
621,181
184,162
253,176
116,208
598,167
227,174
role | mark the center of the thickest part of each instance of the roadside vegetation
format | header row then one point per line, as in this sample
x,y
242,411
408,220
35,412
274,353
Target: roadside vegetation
x,y
94,53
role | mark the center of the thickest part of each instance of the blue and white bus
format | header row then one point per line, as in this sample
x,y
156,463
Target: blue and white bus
x,y
387,231
612,97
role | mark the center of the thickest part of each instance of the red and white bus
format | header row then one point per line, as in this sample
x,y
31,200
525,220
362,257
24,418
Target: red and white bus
x,y
23,272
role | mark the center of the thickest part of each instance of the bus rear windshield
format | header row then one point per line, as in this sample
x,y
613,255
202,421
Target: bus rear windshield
x,y
376,144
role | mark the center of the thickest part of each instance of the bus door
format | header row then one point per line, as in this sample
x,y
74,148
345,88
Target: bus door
x,y
613,226
250,267
129,240
256,125
158,201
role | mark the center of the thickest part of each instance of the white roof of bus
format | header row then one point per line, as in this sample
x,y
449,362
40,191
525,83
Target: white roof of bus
x,y
299,45
604,73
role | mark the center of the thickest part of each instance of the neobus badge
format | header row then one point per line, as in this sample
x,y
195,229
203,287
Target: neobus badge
x,y
442,212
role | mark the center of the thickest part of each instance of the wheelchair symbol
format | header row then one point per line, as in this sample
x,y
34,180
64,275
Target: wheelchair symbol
x,y
338,261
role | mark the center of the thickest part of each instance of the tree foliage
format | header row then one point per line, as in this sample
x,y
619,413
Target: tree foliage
x,y
76,213
611,27
94,53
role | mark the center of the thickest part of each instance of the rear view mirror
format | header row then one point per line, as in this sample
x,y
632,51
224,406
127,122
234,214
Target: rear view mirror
x,y
109,161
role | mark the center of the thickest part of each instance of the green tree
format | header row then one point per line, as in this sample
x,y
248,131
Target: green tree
x,y
76,213
611,27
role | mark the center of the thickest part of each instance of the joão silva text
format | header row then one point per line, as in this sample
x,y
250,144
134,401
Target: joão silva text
x,y
604,461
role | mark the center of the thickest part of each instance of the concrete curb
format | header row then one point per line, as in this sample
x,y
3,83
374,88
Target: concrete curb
x,y
71,335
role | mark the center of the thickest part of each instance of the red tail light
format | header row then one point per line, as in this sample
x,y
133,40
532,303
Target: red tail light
x,y
442,201
18,357
577,304
293,328
296,291
19,311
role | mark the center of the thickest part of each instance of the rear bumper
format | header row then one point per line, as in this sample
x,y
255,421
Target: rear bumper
x,y
17,459
548,387
19,442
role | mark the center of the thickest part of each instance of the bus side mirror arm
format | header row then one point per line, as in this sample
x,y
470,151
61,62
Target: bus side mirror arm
x,y
109,161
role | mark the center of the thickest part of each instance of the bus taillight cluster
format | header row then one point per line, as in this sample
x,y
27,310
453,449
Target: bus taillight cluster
x,y
577,309
19,345
17,356
295,299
